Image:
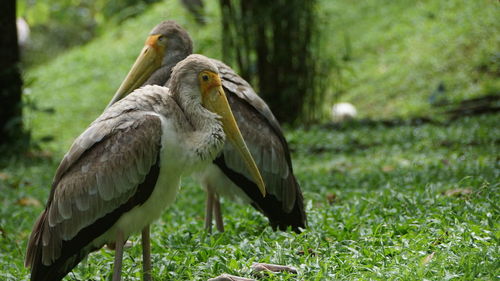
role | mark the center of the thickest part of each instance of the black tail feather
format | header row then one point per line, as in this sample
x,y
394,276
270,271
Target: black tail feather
x,y
270,205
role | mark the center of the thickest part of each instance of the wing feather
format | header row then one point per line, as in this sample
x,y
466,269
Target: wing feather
x,y
268,152
265,140
101,171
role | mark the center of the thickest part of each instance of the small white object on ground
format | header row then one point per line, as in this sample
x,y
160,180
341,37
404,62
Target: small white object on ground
x,y
23,32
343,111
258,267
227,277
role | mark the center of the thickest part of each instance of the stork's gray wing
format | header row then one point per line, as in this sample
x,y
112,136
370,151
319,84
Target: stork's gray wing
x,y
101,172
269,148
239,87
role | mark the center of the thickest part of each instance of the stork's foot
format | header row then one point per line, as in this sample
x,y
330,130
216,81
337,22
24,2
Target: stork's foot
x,y
267,267
227,277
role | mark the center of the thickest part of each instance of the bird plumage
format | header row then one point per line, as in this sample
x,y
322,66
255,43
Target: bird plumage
x,y
284,203
124,170
98,180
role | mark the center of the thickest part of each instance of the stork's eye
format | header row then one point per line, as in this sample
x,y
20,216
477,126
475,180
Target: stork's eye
x,y
205,77
162,39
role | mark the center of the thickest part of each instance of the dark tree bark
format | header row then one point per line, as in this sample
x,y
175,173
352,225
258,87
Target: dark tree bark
x,y
10,78
195,7
273,45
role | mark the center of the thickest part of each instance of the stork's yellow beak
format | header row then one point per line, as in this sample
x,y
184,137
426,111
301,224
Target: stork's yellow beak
x,y
214,99
146,63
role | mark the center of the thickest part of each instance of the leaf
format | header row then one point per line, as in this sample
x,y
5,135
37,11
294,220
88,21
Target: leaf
x,y
28,201
267,267
331,197
4,176
388,168
39,154
228,277
445,162
39,13
457,192
310,251
427,259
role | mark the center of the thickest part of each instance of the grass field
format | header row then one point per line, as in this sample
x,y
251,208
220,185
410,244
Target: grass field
x,y
394,54
408,201
400,203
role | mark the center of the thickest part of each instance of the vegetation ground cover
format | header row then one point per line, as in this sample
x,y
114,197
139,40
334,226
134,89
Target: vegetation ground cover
x,y
404,202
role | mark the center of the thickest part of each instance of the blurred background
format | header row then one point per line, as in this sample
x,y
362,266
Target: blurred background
x,y
390,109
404,59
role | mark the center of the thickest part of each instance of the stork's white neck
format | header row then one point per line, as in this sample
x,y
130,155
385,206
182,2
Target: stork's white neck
x,y
207,137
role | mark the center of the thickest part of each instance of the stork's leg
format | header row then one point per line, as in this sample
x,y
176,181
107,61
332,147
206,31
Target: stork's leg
x,y
208,210
117,268
146,254
218,214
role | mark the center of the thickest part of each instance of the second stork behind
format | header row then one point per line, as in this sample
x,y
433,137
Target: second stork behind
x,y
166,45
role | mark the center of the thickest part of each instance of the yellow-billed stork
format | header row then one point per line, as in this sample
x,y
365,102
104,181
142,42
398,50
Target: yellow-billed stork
x,y
167,44
125,168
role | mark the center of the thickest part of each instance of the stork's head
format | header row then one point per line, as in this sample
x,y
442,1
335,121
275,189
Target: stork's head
x,y
167,44
171,41
198,77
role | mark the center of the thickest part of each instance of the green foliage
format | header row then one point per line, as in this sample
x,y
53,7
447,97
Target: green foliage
x,y
79,84
370,51
407,202
394,54
397,203
67,12
59,25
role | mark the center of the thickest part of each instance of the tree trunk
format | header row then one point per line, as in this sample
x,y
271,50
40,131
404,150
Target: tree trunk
x,y
10,78
275,38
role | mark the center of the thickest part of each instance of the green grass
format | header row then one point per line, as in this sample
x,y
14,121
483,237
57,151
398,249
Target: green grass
x,y
375,198
79,84
394,54
375,195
